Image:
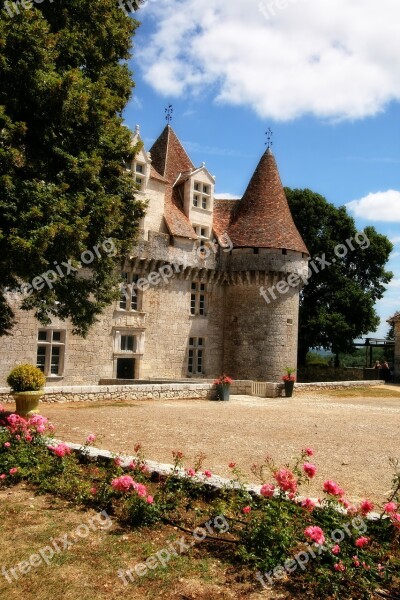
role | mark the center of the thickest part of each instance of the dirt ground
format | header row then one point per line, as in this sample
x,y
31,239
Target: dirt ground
x,y
353,437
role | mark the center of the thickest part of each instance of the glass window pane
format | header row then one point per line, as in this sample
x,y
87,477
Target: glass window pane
x,y
55,360
56,336
193,304
202,305
127,343
134,301
42,335
41,358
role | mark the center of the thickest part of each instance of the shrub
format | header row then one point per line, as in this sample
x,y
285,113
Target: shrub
x,y
26,378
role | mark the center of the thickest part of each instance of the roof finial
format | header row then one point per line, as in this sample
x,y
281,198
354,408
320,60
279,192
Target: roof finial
x,y
168,113
269,133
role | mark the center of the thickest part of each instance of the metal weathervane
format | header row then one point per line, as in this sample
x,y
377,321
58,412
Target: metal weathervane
x,y
269,133
168,113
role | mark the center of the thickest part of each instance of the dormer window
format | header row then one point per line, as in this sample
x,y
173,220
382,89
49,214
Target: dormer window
x,y
202,232
201,195
139,170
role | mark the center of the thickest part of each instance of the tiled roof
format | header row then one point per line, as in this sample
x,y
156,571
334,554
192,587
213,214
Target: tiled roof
x,y
263,218
170,159
223,211
169,156
395,318
155,175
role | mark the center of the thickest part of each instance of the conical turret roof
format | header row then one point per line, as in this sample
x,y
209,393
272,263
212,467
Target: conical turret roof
x,y
169,156
262,218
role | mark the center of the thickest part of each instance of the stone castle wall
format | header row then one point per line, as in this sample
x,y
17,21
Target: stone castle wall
x,y
259,342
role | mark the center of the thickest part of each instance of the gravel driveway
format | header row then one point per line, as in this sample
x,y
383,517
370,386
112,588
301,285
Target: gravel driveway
x,y
352,437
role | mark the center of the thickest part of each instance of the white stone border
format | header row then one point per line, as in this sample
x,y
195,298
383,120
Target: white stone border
x,y
215,481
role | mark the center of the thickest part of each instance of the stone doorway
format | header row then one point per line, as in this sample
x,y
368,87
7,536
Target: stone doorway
x,y
125,368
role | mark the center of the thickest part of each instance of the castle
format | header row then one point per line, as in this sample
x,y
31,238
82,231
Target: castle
x,y
192,304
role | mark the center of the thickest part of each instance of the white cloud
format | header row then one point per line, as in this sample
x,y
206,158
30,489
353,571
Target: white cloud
x,y
227,196
394,284
335,60
381,206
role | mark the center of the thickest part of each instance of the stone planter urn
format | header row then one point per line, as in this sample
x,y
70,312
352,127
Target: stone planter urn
x,y
27,403
26,383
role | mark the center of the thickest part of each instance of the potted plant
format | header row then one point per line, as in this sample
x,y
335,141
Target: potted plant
x,y
26,383
223,384
288,381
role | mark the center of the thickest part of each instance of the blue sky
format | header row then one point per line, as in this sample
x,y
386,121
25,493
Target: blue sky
x,y
322,75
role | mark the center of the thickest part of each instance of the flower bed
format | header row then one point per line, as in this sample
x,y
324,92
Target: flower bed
x,y
330,547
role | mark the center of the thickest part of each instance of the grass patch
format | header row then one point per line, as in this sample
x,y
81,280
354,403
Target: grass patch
x,y
88,570
365,392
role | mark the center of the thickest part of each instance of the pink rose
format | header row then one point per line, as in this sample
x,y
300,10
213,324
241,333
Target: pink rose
x,y
117,462
361,542
395,517
191,472
339,566
336,549
356,561
90,438
93,491
246,510
309,451
123,483
7,444
207,473
332,488
315,534
13,470
60,450
232,465
390,507
141,490
267,490
309,504
3,476
149,499
366,506
310,470
286,480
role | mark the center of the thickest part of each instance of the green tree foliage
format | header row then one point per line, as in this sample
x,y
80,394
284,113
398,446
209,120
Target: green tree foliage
x,y
337,304
64,188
